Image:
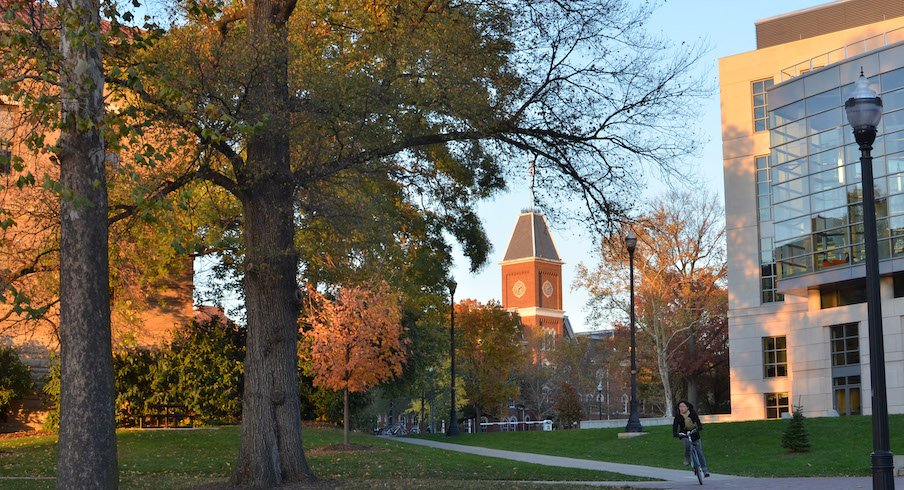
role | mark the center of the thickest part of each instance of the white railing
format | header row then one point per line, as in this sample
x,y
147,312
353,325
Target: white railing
x,y
844,52
515,426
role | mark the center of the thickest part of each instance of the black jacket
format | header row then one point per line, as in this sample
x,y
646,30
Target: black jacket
x,y
678,424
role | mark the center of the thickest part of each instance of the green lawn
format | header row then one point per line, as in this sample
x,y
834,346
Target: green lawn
x,y
840,446
183,458
180,459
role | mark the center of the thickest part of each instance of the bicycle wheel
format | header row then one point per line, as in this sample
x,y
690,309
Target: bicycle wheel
x,y
695,460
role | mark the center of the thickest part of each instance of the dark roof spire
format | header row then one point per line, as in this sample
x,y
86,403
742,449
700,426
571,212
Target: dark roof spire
x,y
531,238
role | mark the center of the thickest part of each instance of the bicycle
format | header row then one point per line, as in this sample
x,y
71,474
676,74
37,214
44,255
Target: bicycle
x,y
695,458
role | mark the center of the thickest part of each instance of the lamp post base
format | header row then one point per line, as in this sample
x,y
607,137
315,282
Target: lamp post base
x,y
629,435
633,426
634,418
883,470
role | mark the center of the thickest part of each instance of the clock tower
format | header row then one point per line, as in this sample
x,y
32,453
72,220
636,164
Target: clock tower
x,y
532,276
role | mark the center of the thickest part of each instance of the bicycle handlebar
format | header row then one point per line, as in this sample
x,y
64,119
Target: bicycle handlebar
x,y
688,433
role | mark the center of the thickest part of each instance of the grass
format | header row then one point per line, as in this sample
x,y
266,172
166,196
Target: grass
x,y
840,446
181,459
185,458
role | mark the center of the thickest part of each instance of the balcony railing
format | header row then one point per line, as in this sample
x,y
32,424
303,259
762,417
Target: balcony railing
x,y
844,52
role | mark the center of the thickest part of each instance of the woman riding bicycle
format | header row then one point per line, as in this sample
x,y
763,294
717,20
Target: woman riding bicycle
x,y
686,420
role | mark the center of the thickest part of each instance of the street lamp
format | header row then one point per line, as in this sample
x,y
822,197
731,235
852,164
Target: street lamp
x,y
864,111
599,397
634,418
453,415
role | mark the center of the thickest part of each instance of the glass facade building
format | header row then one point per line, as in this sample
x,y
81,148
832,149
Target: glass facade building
x,y
814,167
797,322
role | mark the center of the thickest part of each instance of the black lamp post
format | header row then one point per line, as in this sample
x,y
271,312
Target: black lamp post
x,y
864,111
634,418
453,413
599,397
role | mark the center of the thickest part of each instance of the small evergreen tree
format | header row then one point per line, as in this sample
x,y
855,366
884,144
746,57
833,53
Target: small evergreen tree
x,y
795,438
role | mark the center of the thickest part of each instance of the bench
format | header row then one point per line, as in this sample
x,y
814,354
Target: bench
x,y
166,415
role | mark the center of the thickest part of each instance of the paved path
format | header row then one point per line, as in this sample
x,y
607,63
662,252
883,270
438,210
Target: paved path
x,y
672,478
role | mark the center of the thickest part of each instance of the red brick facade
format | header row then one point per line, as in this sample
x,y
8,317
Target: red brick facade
x,y
532,276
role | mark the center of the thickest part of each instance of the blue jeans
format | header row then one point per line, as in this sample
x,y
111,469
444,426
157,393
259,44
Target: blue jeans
x,y
687,452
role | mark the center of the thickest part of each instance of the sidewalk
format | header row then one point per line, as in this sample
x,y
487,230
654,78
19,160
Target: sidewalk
x,y
671,478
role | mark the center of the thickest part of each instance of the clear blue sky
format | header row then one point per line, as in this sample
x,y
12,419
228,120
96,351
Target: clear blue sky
x,y
728,27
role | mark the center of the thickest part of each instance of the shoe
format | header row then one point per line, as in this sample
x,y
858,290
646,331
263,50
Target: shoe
x,y
686,462
706,475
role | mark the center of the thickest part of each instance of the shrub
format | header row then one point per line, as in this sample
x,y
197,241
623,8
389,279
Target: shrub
x,y
15,379
202,368
795,438
135,370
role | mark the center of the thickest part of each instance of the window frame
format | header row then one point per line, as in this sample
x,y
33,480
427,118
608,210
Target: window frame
x,y
778,407
768,270
760,88
775,368
850,355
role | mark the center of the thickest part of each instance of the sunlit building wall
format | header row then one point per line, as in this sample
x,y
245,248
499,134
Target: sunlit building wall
x,y
797,316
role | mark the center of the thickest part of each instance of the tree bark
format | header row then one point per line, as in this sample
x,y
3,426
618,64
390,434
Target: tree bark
x,y
661,337
422,422
662,361
87,442
271,448
270,451
345,418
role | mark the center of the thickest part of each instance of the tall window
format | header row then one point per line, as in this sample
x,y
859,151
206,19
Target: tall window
x,y
775,357
763,188
768,292
845,344
760,103
845,349
776,405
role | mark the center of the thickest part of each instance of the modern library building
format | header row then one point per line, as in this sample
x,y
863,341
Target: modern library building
x,y
797,298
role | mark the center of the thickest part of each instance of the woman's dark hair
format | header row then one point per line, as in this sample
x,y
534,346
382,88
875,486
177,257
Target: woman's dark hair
x,y
690,407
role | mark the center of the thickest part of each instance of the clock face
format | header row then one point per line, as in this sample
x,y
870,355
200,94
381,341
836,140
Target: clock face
x,y
547,289
518,289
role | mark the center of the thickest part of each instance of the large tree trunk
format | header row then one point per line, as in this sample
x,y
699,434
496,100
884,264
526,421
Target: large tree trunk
x,y
270,450
87,443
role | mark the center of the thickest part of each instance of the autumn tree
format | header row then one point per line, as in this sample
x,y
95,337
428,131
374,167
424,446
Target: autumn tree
x,y
356,341
488,346
680,271
569,409
704,362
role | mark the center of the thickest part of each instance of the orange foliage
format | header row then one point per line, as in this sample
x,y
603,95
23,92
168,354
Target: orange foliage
x,y
356,341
